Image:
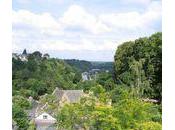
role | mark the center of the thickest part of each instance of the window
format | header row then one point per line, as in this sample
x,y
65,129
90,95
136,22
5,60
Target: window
x,y
44,116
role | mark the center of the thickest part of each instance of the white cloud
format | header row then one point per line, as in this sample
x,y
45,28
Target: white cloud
x,y
83,44
133,20
16,46
23,1
142,2
41,1
44,22
77,16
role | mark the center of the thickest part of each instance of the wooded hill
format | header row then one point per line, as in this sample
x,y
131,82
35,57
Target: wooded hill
x,y
83,65
38,75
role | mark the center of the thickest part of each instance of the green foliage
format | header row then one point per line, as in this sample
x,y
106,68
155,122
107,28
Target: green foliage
x,y
139,64
87,116
129,113
40,75
32,125
50,101
148,126
20,116
20,105
22,102
83,65
131,110
106,80
86,85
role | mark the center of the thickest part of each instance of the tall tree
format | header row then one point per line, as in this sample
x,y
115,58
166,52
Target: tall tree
x,y
139,63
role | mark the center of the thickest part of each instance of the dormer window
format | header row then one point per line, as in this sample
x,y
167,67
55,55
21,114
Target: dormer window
x,y
44,116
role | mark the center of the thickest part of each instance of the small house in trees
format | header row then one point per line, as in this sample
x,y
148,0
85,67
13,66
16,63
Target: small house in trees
x,y
85,76
45,122
15,56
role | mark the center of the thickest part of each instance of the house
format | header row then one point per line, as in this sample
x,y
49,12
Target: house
x,y
45,122
22,57
68,96
15,56
85,76
61,96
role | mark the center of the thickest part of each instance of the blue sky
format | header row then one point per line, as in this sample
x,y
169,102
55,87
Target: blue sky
x,y
82,29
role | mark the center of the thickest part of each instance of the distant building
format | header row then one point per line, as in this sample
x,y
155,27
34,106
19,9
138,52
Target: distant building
x,y
94,71
45,122
107,71
85,76
23,56
15,56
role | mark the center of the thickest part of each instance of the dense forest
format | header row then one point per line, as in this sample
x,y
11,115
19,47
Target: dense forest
x,y
116,99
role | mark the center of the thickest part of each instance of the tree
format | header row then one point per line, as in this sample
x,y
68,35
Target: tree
x,y
139,63
128,113
22,102
32,125
148,126
20,117
35,56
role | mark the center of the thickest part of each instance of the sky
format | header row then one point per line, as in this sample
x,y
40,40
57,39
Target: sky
x,y
82,29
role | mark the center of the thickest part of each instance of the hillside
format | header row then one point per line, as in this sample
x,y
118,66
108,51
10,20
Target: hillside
x,y
38,75
83,65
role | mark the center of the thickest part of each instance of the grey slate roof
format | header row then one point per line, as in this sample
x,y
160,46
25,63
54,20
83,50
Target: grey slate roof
x,y
58,93
32,112
72,95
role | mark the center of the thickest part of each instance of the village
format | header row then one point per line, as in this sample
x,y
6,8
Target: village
x,y
43,118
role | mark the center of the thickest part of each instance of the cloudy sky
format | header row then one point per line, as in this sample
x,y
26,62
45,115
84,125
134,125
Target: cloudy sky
x,y
82,29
